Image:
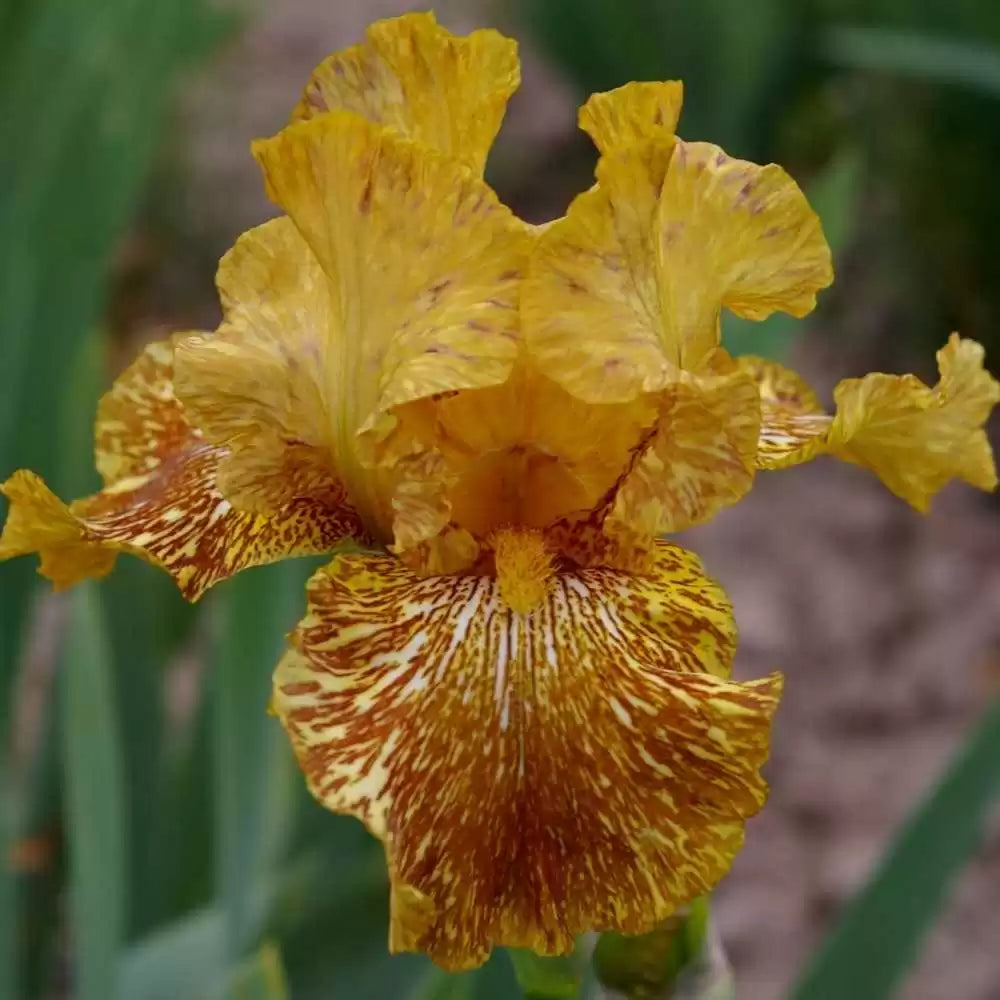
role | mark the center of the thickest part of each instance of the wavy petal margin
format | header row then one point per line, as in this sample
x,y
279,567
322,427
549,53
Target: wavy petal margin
x,y
412,76
160,500
913,437
583,767
636,111
423,269
629,286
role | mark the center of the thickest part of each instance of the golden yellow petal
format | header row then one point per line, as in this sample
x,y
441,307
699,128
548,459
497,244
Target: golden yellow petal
x,y
699,458
534,776
589,301
629,286
631,113
524,453
255,386
423,270
914,438
415,77
793,423
160,500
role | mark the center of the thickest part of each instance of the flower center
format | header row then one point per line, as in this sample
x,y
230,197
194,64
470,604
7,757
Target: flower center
x,y
524,567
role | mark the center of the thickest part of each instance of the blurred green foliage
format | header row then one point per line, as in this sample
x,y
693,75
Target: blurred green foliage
x,y
161,800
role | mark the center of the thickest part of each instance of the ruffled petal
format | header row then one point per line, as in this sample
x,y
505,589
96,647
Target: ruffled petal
x,y
629,286
160,500
423,268
586,766
255,386
913,437
415,77
699,459
636,111
793,422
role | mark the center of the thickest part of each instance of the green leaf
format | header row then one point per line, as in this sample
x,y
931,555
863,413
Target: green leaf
x,y
648,965
967,62
92,757
547,978
255,777
259,977
879,936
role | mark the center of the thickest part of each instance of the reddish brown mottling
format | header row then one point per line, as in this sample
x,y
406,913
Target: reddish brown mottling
x,y
160,500
533,776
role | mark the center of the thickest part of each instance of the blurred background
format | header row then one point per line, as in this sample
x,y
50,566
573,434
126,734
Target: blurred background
x,y
160,844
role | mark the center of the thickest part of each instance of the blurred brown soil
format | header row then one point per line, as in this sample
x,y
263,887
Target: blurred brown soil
x,y
886,624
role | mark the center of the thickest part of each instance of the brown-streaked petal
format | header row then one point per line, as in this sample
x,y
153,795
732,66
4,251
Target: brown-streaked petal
x,y
582,767
413,76
699,458
629,286
423,269
793,422
160,499
913,437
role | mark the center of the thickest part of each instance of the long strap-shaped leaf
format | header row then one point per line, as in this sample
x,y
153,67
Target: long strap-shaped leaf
x,y
878,937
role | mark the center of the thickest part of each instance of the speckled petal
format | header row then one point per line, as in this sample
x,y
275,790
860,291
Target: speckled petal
x,y
699,458
423,267
415,77
793,423
629,286
636,111
255,385
582,767
914,438
160,500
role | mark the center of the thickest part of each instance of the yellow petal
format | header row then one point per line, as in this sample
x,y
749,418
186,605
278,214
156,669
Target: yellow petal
x,y
633,112
583,767
423,268
699,458
160,500
793,423
524,453
913,437
255,385
415,77
629,286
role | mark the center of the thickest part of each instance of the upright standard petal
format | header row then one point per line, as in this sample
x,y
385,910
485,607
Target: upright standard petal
x,y
533,776
913,437
413,76
160,499
422,267
629,286
628,114
255,386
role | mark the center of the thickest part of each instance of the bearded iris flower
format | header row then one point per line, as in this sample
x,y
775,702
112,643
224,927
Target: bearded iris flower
x,y
516,684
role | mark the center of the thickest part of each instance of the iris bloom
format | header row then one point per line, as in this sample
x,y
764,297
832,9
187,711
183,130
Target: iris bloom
x,y
516,684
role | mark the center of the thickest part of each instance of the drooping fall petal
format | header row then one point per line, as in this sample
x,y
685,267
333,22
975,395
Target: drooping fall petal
x,y
793,423
416,78
533,776
629,286
913,437
160,499
422,266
